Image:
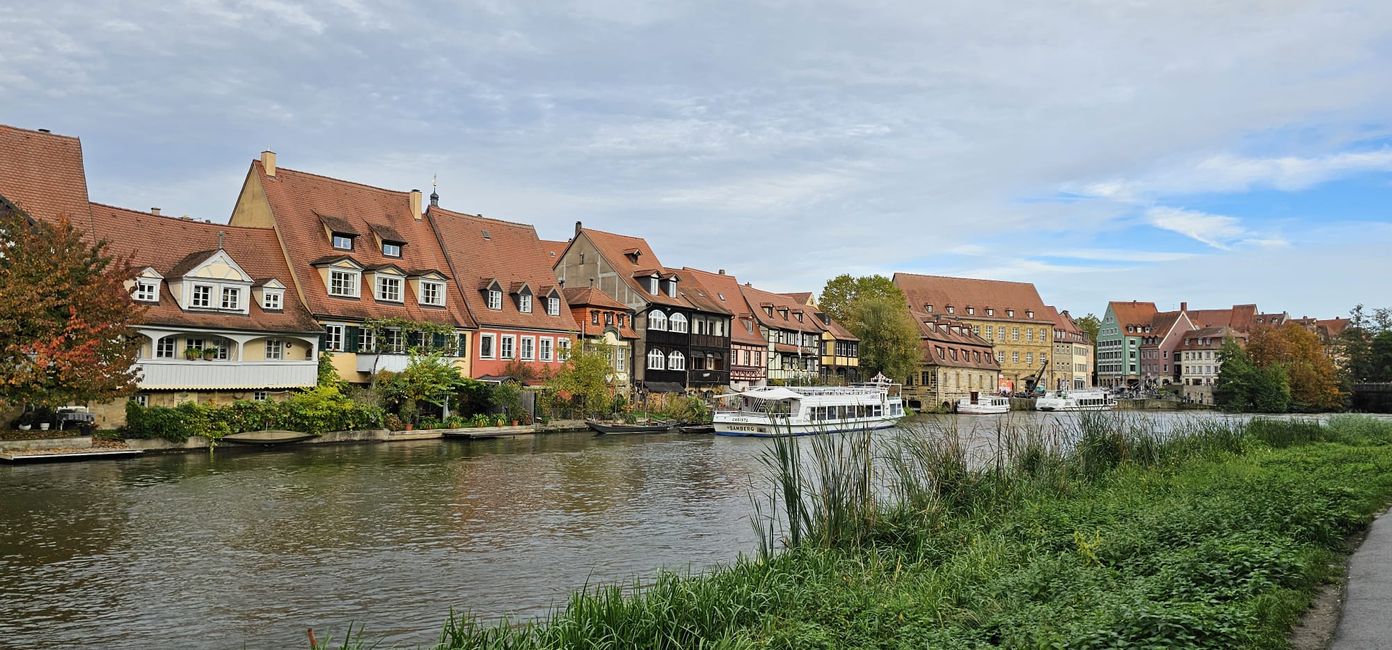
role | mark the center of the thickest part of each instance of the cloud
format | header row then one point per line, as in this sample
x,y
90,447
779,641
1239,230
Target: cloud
x,y
1228,172
1215,230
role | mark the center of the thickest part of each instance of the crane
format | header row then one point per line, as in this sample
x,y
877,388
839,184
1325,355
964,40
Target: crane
x,y
1032,381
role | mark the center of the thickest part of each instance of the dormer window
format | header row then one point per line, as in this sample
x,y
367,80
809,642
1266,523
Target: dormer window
x,y
388,288
672,287
1010,313
524,303
495,299
231,298
432,293
1029,314
928,308
202,296
990,311
344,283
342,241
391,249
971,311
951,309
553,306
273,299
146,290
652,285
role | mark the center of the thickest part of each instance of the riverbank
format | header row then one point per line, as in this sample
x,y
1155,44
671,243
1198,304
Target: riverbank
x,y
1218,535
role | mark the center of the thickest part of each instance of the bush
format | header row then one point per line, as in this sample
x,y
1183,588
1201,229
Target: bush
x,y
316,411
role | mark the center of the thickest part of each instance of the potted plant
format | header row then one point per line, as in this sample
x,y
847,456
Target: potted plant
x,y
192,353
25,421
209,354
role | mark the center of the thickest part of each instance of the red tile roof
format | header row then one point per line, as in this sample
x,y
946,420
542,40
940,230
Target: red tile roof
x,y
784,311
803,297
726,290
480,250
554,249
615,249
300,201
42,174
941,292
690,288
173,246
583,299
937,331
1132,314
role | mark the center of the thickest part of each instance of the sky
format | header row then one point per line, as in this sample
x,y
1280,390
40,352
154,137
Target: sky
x,y
1214,153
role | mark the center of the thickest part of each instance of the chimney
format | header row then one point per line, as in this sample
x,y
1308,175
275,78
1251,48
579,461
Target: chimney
x,y
268,161
1184,306
721,271
44,131
577,227
155,211
416,204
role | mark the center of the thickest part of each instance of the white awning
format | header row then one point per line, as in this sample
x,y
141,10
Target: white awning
x,y
770,393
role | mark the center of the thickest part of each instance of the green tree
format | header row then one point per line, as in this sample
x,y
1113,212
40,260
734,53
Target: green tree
x,y
586,379
1312,379
1091,325
1366,346
66,316
1243,386
841,292
427,379
889,339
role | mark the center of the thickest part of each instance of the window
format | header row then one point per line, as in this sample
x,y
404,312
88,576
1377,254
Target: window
x,y
343,283
594,317
432,293
621,320
259,396
676,361
553,306
273,299
971,311
1015,334
951,309
528,348
545,350
672,287
388,289
620,360
231,298
657,321
678,323
1014,357
608,318
1000,357
524,303
562,349
1029,358
342,242
146,291
486,343
495,299
142,399
367,340
202,296
656,360
990,311
275,350
1010,313
1029,313
165,348
505,350
391,249
333,338
990,331
928,308
1029,335
392,341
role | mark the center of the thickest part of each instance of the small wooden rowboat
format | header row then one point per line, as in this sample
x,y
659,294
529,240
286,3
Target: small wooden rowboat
x,y
698,428
614,428
268,437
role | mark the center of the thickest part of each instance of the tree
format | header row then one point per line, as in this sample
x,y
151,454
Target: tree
x,y
1298,352
66,316
585,377
841,292
1366,346
427,379
889,339
1243,386
1091,325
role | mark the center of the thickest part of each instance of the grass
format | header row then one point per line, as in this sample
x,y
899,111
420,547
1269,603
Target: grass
x,y
1111,534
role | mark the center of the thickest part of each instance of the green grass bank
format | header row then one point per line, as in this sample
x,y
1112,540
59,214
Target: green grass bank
x,y
1212,535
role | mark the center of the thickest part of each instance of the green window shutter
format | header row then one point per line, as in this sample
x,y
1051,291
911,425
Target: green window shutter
x,y
351,335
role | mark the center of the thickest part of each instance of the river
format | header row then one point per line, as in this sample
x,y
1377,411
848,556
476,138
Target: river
x,y
249,548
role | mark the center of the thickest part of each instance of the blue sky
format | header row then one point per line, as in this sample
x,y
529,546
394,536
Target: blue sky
x,y
1167,151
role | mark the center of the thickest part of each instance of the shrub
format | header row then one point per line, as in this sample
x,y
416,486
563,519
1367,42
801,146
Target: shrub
x,y
316,411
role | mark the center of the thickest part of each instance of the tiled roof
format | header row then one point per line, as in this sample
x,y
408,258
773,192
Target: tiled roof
x,y
1162,322
42,174
960,293
784,310
554,249
1216,335
726,290
1132,314
613,246
1063,322
592,297
690,288
838,331
803,297
936,331
174,246
300,200
512,255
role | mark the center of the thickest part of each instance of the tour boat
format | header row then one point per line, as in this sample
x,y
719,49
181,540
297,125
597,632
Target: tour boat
x,y
1081,400
978,404
795,411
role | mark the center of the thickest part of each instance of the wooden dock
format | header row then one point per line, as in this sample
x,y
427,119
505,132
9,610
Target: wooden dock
x,y
58,456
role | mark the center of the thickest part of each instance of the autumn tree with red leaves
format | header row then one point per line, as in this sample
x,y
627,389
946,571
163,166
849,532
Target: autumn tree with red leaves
x,y
65,316
1314,379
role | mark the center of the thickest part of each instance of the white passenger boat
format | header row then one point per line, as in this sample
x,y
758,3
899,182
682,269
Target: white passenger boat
x,y
978,404
781,411
1081,400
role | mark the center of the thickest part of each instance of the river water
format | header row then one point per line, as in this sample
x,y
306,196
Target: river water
x,y
248,549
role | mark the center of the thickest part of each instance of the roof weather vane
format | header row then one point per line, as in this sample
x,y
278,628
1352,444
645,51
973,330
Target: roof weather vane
x,y
434,190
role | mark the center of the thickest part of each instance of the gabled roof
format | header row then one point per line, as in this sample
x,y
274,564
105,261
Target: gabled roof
x,y
511,255
804,297
554,249
1063,321
726,291
690,288
592,297
42,174
837,330
784,311
942,291
173,246
1132,314
612,247
938,331
301,201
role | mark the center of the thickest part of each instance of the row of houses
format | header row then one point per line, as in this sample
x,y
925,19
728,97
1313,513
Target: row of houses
x,y
1140,347
308,265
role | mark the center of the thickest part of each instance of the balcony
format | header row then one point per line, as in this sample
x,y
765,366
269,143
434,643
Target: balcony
x,y
374,363
172,374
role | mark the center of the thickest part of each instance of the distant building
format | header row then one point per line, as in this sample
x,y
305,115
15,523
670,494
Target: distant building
x,y
1009,315
1164,333
1072,361
748,348
1119,339
1200,362
605,323
794,336
955,363
840,352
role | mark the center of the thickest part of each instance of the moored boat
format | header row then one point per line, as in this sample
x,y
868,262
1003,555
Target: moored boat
x,y
267,437
782,411
1081,400
697,428
620,428
978,404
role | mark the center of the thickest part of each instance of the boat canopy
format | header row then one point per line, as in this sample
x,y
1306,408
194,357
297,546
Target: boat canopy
x,y
771,393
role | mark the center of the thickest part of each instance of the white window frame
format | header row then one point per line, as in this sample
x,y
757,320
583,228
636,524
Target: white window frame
x,y
495,299
395,245
367,340
385,281
206,302
507,347
526,348
562,349
393,341
524,303
657,321
676,360
489,350
166,348
146,290
352,281
336,238
657,360
334,337
438,287
275,350
273,299
678,323
233,292
553,306
620,360
544,347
